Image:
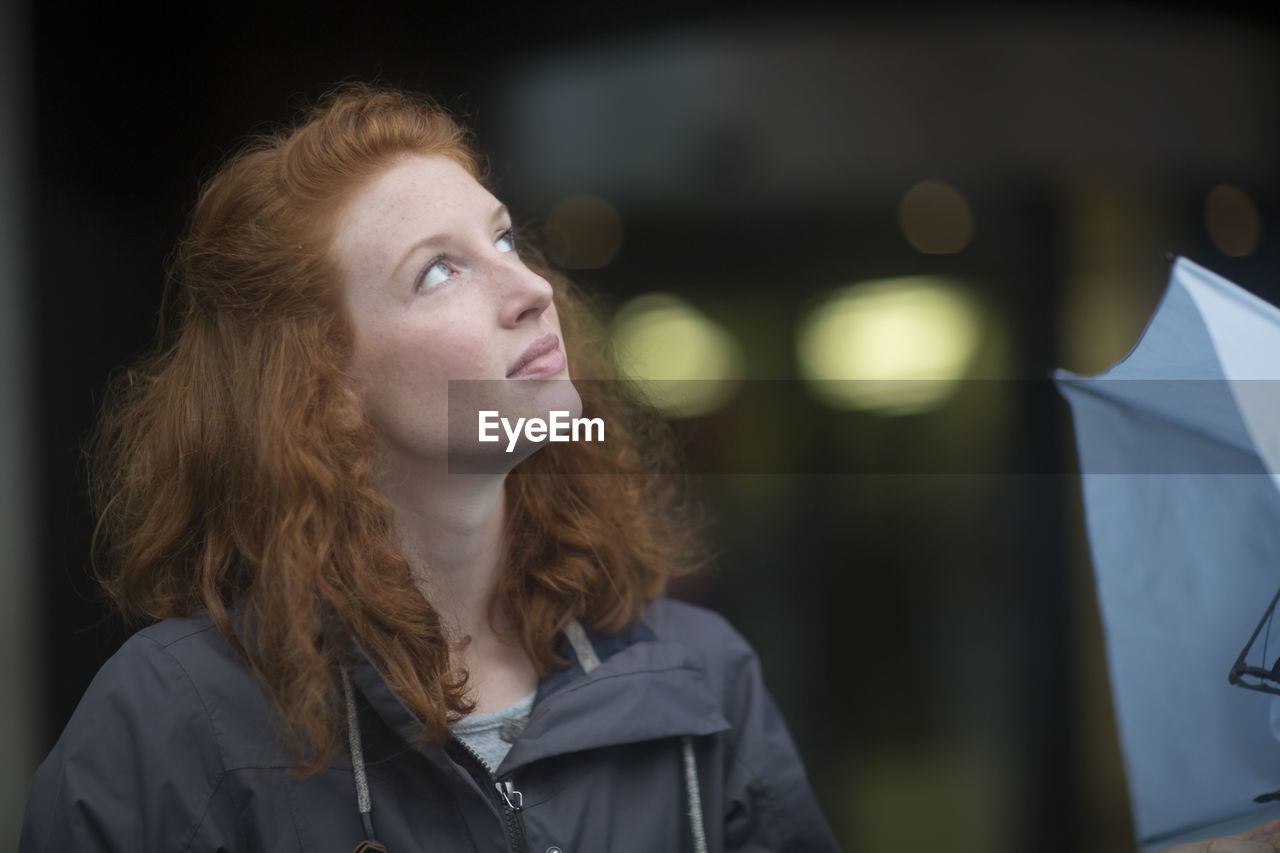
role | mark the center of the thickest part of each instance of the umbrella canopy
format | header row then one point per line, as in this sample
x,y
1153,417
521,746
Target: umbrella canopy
x,y
1179,448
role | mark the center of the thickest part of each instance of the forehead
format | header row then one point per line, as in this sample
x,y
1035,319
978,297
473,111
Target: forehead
x,y
416,197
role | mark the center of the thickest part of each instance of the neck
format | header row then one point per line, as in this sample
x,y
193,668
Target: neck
x,y
451,529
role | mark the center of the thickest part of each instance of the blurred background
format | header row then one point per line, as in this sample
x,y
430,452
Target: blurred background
x,y
795,192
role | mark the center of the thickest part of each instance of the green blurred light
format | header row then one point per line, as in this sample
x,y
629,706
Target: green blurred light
x,y
892,346
686,363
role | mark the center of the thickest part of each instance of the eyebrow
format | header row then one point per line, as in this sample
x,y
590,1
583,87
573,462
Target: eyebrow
x,y
500,212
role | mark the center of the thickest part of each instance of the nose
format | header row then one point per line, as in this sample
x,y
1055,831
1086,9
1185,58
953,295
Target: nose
x,y
525,294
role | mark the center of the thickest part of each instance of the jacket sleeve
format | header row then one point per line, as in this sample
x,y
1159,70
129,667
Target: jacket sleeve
x,y
770,804
136,767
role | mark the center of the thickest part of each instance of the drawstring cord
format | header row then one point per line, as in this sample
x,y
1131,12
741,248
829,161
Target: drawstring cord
x,y
695,796
357,760
589,660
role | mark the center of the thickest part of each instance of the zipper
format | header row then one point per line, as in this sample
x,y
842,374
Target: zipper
x,y
509,801
515,803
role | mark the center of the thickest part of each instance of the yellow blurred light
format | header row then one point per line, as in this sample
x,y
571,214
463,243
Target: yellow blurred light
x,y
892,346
583,232
935,218
1232,220
686,363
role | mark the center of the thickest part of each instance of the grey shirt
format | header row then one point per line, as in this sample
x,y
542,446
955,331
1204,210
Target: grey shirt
x,y
482,733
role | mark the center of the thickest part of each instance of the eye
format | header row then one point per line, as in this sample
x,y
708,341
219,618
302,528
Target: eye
x,y
506,241
435,274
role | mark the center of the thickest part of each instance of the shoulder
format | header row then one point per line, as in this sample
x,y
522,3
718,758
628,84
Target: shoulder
x,y
143,732
172,631
189,664
169,668
154,684
671,619
158,646
728,660
147,669
198,649
178,681
769,804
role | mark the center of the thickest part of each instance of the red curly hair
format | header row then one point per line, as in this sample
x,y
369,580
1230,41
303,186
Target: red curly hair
x,y
232,471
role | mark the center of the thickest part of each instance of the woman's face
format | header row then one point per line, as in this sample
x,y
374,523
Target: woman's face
x,y
436,291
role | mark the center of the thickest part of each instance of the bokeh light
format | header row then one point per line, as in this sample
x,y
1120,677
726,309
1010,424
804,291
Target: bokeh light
x,y
892,346
686,363
1232,220
935,218
583,232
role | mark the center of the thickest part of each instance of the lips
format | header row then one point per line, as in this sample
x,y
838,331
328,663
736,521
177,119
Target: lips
x,y
542,358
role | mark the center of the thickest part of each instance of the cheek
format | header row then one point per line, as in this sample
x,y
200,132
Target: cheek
x,y
415,364
404,396
456,352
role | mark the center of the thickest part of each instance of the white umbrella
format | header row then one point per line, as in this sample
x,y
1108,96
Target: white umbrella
x,y
1179,449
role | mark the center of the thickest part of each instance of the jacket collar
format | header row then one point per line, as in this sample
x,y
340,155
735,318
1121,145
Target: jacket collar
x,y
644,688
650,690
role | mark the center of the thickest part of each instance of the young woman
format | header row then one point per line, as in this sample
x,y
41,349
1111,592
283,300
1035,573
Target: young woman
x,y
354,646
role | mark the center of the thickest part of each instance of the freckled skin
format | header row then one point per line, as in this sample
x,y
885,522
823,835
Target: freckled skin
x,y
472,316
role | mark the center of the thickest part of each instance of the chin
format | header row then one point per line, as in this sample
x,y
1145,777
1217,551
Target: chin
x,y
562,395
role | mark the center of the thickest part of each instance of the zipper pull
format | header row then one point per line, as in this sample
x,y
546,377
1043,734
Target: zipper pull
x,y
515,801
513,798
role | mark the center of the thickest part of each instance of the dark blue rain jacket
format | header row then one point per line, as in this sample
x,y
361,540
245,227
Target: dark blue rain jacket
x,y
174,748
